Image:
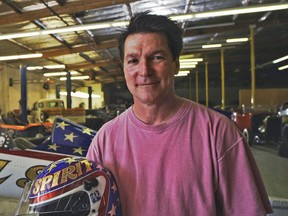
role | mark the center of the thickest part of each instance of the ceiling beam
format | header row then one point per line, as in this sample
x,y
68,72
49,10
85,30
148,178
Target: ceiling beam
x,y
79,48
69,8
89,65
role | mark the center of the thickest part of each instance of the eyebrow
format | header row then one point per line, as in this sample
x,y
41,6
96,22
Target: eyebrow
x,y
133,54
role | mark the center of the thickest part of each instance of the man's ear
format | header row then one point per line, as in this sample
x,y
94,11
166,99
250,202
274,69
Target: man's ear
x,y
177,63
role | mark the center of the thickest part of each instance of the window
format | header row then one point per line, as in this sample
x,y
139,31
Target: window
x,y
53,104
40,105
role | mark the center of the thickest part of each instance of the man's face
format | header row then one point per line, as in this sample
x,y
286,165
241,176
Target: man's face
x,y
149,67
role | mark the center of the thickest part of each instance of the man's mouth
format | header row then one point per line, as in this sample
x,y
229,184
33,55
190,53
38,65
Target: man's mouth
x,y
147,84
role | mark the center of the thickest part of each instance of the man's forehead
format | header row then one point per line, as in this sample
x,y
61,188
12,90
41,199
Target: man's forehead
x,y
148,42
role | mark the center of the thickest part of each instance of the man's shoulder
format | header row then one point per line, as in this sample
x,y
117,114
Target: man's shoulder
x,y
197,111
116,122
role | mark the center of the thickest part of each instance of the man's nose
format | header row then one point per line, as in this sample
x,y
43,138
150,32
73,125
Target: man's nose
x,y
145,69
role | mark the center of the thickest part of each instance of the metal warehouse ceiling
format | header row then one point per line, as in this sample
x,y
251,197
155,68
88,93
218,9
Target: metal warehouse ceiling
x,y
94,52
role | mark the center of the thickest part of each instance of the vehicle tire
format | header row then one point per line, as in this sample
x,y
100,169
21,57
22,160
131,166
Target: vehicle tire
x,y
283,150
248,136
285,136
43,116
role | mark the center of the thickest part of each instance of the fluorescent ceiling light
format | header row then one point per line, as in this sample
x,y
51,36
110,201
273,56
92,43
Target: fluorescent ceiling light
x,y
211,26
64,73
75,28
187,66
235,40
19,35
191,61
25,56
80,94
283,67
34,68
46,67
211,46
280,59
55,66
181,17
188,63
75,78
190,58
119,23
182,73
182,65
232,11
64,29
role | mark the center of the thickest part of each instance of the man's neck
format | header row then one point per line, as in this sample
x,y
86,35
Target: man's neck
x,y
156,114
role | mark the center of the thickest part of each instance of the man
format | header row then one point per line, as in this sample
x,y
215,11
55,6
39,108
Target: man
x,y
171,156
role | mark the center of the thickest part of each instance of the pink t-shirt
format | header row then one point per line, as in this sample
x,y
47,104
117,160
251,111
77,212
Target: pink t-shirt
x,y
195,164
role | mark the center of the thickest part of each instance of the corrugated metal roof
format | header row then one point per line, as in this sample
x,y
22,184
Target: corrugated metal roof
x,y
95,51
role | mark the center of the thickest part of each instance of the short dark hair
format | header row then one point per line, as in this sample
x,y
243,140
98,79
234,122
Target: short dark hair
x,y
144,22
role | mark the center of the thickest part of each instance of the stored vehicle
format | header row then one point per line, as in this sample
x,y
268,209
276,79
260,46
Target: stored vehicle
x,y
48,109
30,131
249,123
283,113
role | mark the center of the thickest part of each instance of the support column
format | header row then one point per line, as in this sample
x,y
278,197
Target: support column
x,y
68,89
252,48
222,80
90,97
197,88
190,87
23,99
206,84
57,89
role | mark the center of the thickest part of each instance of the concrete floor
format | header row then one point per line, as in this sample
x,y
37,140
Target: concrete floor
x,y
273,169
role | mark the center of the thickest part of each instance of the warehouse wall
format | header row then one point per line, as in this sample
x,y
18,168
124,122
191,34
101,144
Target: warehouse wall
x,y
96,102
10,93
214,95
270,98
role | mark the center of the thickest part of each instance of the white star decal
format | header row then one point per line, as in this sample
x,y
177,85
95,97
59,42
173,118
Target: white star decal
x,y
70,137
87,131
61,125
78,150
114,188
53,165
70,160
113,210
53,147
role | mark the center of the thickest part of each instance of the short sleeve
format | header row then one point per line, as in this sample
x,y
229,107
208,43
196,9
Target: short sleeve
x,y
241,190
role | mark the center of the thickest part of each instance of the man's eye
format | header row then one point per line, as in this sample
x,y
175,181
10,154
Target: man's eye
x,y
132,61
158,57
